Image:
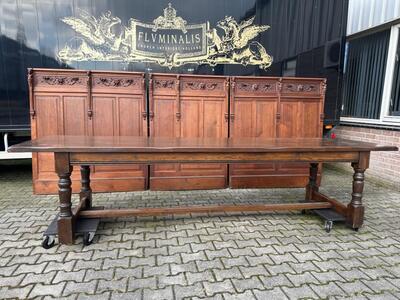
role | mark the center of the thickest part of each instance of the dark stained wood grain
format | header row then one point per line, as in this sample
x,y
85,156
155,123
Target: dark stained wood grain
x,y
271,107
336,205
116,213
186,106
66,219
312,182
86,191
254,106
106,158
355,214
77,102
192,145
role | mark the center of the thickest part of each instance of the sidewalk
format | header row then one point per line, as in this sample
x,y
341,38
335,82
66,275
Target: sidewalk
x,y
237,256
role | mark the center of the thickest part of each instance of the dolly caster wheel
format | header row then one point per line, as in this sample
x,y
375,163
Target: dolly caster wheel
x,y
48,241
303,211
328,226
88,238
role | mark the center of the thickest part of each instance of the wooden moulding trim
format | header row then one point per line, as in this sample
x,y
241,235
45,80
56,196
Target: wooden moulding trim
x,y
266,97
150,108
144,102
57,71
177,98
189,75
311,98
337,206
32,111
227,105
232,101
144,157
130,212
315,79
89,95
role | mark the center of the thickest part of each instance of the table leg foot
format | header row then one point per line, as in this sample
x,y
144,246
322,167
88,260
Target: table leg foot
x,y
66,220
66,230
355,209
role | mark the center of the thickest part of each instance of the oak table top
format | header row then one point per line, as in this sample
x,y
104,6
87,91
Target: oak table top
x,y
192,145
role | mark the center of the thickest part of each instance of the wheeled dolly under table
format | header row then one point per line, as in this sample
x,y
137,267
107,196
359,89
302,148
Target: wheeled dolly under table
x,y
330,216
85,227
88,227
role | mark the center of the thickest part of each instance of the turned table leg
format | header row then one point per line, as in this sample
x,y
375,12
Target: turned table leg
x,y
86,191
312,182
355,213
66,221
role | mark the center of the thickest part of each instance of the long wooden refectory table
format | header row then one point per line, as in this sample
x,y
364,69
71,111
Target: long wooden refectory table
x,y
87,151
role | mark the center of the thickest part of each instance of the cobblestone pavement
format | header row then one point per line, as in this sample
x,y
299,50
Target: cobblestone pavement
x,y
219,256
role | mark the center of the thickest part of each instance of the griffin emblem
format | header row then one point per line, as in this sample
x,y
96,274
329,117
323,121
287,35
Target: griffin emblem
x,y
236,45
105,39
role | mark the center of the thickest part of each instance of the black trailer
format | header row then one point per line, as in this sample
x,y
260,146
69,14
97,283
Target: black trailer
x,y
304,38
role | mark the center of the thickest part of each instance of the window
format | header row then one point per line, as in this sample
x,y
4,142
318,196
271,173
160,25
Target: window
x,y
364,75
289,68
371,79
394,105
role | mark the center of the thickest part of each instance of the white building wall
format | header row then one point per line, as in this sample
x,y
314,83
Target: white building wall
x,y
364,14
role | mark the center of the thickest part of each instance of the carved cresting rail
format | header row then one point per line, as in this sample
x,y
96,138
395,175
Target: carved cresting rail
x,y
88,103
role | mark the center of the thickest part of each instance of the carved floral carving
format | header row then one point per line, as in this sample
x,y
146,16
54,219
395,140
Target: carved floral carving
x,y
114,82
202,85
164,84
60,80
299,87
256,87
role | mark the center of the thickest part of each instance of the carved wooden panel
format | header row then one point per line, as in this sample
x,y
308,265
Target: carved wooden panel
x,y
74,102
56,114
188,106
75,81
254,104
301,115
274,107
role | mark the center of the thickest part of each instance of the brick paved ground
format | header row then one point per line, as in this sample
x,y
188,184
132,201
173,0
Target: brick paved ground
x,y
242,256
